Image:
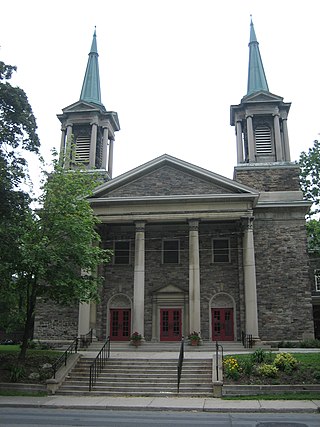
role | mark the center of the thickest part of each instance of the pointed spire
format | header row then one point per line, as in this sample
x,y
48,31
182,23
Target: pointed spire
x,y
91,84
256,76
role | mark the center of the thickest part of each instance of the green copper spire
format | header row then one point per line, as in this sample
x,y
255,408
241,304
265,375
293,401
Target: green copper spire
x,y
91,84
256,76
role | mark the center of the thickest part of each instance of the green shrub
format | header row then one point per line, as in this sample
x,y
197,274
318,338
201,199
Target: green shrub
x,y
231,368
285,362
258,356
310,343
17,373
266,370
246,366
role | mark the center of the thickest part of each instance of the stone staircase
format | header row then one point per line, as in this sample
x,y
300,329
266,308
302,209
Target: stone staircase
x,y
141,377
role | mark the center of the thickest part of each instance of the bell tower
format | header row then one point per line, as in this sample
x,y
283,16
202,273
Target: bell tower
x,y
260,122
88,129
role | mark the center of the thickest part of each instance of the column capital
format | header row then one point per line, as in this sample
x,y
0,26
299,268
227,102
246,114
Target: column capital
x,y
247,223
193,225
140,226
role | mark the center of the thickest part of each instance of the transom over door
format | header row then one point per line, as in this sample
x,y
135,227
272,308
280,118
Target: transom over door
x,y
170,324
120,324
222,324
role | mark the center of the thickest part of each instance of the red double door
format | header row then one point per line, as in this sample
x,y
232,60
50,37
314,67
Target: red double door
x,y
120,324
222,324
170,324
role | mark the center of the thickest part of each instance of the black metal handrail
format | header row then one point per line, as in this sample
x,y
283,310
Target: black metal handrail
x,y
180,363
73,348
247,340
86,339
98,364
218,346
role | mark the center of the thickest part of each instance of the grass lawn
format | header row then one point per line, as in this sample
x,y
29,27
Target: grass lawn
x,y
279,396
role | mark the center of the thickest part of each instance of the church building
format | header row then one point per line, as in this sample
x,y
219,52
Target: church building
x,y
193,250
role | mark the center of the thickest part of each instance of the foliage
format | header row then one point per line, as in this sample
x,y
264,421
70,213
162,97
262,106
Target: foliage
x,y
259,355
231,367
308,343
267,370
58,246
17,373
194,336
18,132
136,337
285,362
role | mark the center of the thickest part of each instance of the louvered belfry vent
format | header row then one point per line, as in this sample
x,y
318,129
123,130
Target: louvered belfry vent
x,y
82,149
263,140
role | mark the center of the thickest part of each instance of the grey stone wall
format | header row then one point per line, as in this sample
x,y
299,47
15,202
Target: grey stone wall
x,y
269,178
283,286
167,181
55,322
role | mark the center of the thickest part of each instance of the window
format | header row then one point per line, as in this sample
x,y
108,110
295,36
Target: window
x,y
170,251
121,254
317,280
221,250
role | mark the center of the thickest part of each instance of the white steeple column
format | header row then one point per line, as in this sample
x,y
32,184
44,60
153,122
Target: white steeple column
x,y
239,142
93,146
84,319
138,281
104,148
68,146
250,287
110,160
194,277
277,136
250,140
62,146
287,156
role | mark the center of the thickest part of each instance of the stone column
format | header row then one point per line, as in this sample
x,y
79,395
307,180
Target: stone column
x,y
277,136
251,148
194,277
110,160
250,287
93,146
62,146
287,156
84,319
138,281
104,148
239,142
68,145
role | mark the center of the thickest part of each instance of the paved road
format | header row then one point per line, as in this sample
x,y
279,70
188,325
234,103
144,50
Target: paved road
x,y
32,417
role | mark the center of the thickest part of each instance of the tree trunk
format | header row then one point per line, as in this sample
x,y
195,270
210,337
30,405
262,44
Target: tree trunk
x,y
28,326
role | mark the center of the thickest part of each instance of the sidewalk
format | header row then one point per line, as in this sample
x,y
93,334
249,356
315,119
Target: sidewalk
x,y
162,404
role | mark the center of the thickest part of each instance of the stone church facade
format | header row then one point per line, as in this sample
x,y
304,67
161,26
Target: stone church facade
x,y
193,250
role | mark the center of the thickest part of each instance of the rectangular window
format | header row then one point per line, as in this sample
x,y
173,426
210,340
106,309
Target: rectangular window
x,y
317,280
121,253
221,250
170,251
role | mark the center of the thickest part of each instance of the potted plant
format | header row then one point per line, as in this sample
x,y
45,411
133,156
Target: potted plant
x,y
136,339
194,338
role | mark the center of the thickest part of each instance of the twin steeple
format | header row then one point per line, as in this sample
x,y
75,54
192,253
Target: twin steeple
x,y
261,117
88,130
91,83
256,76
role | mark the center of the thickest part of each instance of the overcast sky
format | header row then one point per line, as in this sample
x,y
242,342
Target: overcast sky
x,y
170,68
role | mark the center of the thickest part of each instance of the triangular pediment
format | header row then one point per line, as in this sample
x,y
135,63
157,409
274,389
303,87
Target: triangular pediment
x,y
170,289
81,106
168,176
261,96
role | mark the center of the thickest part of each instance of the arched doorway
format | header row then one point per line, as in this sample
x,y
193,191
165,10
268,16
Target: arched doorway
x,y
119,318
222,317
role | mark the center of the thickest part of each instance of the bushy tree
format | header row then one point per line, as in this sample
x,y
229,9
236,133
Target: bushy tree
x,y
310,184
59,246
